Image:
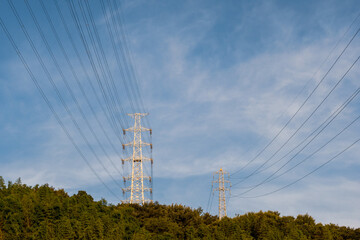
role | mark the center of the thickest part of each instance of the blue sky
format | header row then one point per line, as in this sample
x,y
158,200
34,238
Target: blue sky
x,y
220,79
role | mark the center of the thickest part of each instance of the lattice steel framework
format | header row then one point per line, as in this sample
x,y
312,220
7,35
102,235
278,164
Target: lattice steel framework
x,y
222,190
137,177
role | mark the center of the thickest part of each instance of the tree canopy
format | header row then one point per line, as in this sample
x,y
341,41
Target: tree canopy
x,y
42,212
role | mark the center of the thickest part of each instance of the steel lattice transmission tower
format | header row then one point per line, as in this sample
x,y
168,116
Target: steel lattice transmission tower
x,y
137,188
222,190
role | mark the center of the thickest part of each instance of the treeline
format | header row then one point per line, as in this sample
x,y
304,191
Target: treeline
x,y
41,212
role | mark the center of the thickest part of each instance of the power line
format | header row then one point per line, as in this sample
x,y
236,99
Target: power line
x,y
117,57
102,51
318,106
303,89
87,76
288,170
104,66
211,201
334,87
339,133
208,202
71,94
124,67
125,51
43,95
78,83
125,48
340,108
107,100
292,183
293,116
101,58
49,77
330,118
128,51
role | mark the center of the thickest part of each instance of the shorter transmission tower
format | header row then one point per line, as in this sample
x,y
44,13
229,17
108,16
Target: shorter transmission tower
x,y
137,188
222,190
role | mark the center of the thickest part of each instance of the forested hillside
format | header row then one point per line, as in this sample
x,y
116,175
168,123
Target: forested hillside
x,y
41,212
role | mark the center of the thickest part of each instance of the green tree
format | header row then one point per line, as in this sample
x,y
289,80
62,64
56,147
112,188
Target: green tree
x,y
42,212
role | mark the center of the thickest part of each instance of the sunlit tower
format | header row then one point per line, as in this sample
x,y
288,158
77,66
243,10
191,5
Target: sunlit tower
x,y
137,188
222,190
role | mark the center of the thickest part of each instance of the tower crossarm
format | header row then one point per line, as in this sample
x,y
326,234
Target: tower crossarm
x,y
138,129
128,144
148,189
146,144
143,129
141,144
217,189
145,201
128,189
123,160
128,130
127,178
225,181
147,159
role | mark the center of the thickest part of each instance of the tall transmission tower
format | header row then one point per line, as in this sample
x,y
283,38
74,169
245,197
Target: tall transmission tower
x,y
137,187
222,190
